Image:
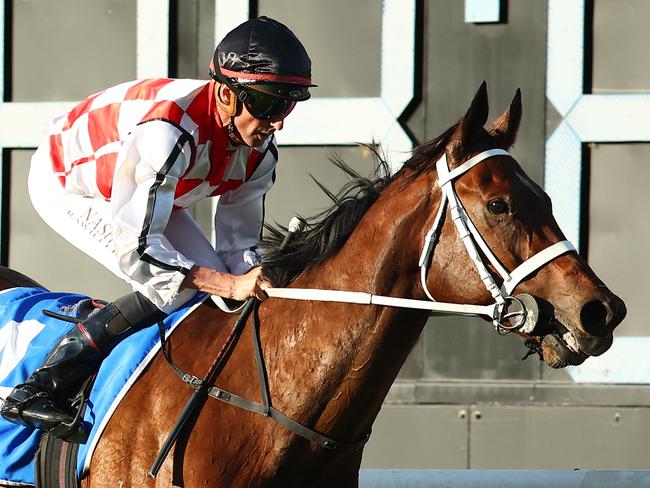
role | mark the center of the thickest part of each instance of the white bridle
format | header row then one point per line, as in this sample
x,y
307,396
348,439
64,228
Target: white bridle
x,y
472,238
473,241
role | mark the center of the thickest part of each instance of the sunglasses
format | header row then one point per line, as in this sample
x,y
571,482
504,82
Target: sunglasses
x,y
265,106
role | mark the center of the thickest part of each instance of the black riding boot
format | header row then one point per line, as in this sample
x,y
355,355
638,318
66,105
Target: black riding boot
x,y
42,401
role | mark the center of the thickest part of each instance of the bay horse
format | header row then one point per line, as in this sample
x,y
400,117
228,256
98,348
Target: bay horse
x,y
330,365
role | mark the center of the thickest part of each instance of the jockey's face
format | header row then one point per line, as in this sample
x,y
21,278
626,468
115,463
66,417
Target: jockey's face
x,y
251,131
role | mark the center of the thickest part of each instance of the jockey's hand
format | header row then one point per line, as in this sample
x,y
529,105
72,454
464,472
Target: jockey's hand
x,y
251,284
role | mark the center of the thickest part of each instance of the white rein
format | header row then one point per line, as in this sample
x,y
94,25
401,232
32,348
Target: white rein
x,y
473,241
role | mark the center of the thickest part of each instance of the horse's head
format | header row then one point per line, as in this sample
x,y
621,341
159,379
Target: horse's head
x,y
578,313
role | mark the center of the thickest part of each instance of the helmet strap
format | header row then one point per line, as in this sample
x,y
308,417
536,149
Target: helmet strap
x,y
233,133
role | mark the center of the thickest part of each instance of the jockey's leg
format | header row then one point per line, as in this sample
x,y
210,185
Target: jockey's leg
x,y
39,402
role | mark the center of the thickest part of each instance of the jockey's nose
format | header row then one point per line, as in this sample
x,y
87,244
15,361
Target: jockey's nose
x,y
278,124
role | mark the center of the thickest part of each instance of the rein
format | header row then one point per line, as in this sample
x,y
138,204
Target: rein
x,y
205,387
196,401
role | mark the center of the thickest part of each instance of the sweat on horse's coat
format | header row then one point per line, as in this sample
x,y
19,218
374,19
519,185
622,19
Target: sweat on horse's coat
x,y
23,324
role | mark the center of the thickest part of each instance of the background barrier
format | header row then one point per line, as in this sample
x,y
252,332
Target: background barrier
x,y
502,478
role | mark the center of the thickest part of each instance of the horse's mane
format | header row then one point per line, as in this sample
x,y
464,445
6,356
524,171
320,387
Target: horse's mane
x,y
326,232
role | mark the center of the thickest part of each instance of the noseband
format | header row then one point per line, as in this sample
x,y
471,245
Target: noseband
x,y
507,313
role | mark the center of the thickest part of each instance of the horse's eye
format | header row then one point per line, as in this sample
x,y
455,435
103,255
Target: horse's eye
x,y
498,206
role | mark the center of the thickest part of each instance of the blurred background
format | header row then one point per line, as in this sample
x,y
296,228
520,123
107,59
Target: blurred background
x,y
400,72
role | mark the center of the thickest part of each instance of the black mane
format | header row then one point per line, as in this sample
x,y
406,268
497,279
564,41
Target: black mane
x,y
325,233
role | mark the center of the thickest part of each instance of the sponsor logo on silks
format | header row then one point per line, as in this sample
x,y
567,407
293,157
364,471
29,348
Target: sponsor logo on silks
x,y
97,228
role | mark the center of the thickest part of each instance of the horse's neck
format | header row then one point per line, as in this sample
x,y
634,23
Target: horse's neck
x,y
380,256
361,348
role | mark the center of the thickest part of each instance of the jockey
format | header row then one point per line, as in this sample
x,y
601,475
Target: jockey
x,y
115,175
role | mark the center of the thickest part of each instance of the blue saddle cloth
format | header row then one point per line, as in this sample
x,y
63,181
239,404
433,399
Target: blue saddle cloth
x,y
27,336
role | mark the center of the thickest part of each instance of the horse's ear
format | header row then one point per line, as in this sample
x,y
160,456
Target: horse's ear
x,y
504,128
471,124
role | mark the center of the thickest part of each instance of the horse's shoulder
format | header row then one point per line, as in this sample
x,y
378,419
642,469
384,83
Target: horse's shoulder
x,y
205,313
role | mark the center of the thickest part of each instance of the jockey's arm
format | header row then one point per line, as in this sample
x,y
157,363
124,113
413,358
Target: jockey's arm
x,y
149,166
147,257
238,224
239,215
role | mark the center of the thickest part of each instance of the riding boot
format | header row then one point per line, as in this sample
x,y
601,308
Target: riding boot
x,y
43,400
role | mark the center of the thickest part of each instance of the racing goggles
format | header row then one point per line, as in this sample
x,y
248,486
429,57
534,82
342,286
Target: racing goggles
x,y
265,100
264,106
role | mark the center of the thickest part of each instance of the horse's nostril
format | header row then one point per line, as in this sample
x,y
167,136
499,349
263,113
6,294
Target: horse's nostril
x,y
594,318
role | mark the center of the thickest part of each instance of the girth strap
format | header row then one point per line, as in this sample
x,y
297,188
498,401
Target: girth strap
x,y
282,419
265,408
55,463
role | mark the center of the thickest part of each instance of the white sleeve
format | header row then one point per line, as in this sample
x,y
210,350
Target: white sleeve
x,y
239,216
150,163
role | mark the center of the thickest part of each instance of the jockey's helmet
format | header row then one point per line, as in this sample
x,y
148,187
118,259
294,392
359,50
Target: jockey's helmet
x,y
265,65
